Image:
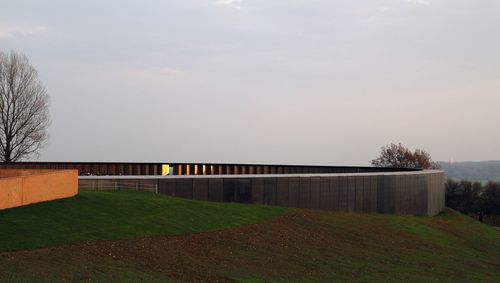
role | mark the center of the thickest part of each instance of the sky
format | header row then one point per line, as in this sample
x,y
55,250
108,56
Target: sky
x,y
263,81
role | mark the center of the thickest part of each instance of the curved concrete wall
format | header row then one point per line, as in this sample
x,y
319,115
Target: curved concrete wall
x,y
415,192
22,187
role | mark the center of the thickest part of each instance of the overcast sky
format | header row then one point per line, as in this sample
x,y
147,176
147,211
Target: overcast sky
x,y
264,81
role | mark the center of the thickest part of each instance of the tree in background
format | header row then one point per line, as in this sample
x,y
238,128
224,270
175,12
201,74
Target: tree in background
x,y
475,199
24,108
398,155
464,196
490,199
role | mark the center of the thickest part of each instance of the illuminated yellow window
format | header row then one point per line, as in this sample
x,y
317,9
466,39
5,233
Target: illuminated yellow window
x,y
165,169
204,170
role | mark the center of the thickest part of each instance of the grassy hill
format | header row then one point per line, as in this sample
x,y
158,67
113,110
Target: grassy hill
x,y
300,245
112,215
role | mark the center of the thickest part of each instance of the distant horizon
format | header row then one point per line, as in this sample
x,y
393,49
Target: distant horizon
x,y
468,161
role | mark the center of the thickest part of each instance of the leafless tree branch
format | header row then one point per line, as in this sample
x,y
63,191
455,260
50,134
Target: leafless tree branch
x,y
24,109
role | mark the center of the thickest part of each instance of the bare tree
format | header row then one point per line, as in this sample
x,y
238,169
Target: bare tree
x,y
24,109
398,155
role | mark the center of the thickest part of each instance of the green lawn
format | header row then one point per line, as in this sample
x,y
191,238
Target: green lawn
x,y
111,215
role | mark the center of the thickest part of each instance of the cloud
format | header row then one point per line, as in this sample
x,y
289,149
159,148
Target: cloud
x,y
378,13
389,8
10,30
228,2
419,2
232,3
154,73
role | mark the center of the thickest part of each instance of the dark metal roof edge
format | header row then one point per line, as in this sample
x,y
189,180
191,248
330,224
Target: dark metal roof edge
x,y
212,163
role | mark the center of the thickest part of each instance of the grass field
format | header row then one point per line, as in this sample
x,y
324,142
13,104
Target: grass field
x,y
112,215
299,246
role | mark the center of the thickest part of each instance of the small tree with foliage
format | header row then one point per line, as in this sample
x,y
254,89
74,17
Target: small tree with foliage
x,y
398,155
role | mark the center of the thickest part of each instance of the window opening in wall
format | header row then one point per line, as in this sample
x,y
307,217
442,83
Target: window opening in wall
x,y
165,170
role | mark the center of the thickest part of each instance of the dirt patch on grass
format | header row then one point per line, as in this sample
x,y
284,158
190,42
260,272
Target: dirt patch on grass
x,y
301,245
195,257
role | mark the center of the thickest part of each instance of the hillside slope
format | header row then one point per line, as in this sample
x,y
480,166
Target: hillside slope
x,y
118,214
301,245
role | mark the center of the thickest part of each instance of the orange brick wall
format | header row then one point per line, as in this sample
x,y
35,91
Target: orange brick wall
x,y
10,192
22,187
